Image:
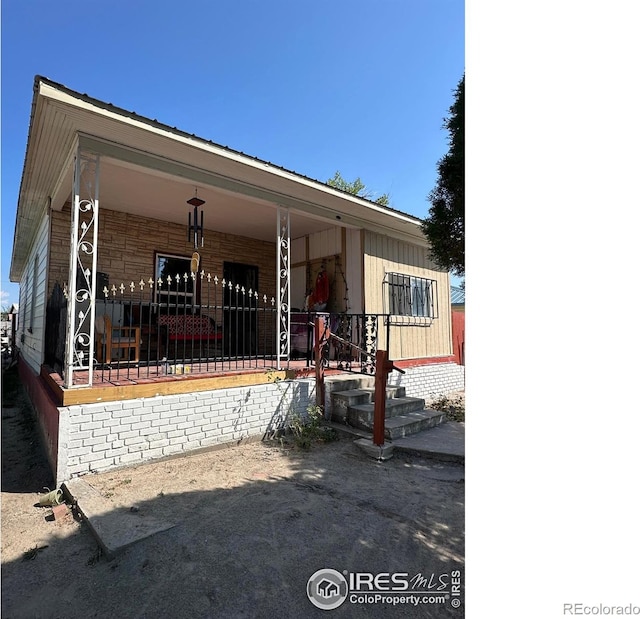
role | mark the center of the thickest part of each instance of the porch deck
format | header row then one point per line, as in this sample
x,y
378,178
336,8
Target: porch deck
x,y
130,382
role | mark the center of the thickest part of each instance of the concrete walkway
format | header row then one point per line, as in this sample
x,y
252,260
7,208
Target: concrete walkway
x,y
444,442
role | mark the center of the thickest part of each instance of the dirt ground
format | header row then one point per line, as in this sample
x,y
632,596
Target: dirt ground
x,y
252,524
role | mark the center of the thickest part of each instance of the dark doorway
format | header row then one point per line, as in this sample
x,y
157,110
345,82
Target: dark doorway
x,y
240,315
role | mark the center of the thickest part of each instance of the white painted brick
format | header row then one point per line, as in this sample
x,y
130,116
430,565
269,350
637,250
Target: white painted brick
x,y
101,466
90,425
161,443
92,409
128,434
160,408
139,447
153,453
175,433
101,416
135,440
178,440
92,457
140,425
101,432
88,442
171,449
129,458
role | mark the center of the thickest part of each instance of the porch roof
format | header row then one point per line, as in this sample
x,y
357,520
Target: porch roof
x,y
163,164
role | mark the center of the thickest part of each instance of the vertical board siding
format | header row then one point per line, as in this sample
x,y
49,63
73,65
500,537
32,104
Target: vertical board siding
x,y
353,252
325,243
383,254
32,348
298,250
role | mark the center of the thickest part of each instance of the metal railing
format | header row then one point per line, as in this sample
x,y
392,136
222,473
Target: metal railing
x,y
198,324
185,324
349,341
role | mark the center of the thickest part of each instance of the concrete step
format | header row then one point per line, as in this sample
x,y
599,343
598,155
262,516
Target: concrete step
x,y
343,400
411,423
361,415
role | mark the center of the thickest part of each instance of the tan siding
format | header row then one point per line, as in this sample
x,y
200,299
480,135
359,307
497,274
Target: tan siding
x,y
298,250
353,272
325,243
384,254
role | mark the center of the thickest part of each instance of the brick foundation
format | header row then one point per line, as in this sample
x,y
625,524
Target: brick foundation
x,y
98,437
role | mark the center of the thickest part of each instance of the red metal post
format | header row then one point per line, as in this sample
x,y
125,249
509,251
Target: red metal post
x,y
382,359
383,367
320,337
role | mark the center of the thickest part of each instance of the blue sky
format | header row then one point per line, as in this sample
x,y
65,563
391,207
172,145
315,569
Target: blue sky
x,y
359,86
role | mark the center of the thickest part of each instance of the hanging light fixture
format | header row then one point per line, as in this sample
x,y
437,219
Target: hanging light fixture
x,y
198,226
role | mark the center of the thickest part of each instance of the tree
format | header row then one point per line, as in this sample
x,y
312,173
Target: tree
x,y
444,226
357,188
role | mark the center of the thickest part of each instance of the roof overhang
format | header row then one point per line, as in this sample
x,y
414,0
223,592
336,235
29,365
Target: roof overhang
x,y
149,168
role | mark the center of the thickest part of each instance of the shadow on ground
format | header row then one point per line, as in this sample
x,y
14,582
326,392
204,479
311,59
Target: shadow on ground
x,y
25,467
248,550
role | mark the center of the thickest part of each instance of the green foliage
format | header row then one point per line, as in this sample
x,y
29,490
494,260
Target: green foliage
x,y
309,429
444,226
357,188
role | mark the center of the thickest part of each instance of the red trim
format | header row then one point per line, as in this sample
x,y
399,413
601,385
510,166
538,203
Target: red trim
x,y
46,409
412,363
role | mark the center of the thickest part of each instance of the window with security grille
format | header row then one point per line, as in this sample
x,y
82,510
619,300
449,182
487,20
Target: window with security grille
x,y
411,296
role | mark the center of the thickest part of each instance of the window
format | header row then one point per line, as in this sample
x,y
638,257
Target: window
x,y
169,268
411,296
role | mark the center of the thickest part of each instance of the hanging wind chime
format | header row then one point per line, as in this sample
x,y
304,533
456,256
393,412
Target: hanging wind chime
x,y
198,222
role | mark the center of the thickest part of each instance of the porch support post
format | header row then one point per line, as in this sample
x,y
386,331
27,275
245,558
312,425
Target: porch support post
x,y
83,255
283,296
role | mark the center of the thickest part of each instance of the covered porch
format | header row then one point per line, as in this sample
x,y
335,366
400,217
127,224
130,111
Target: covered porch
x,y
171,272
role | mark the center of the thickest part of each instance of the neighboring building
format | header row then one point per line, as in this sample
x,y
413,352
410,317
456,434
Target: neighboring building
x,y
457,299
144,333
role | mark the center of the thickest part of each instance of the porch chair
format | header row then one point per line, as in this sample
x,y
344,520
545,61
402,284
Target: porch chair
x,y
110,339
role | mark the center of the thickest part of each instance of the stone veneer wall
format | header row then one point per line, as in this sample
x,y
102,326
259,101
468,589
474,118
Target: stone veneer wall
x,y
126,246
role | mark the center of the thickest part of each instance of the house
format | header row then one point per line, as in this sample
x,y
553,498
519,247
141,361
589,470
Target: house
x,y
457,323
159,273
457,299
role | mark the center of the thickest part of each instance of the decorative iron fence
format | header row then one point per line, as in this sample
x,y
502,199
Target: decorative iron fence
x,y
196,323
185,323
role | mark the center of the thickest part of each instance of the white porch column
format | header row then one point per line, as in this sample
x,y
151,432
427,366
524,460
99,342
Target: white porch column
x,y
83,257
284,272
